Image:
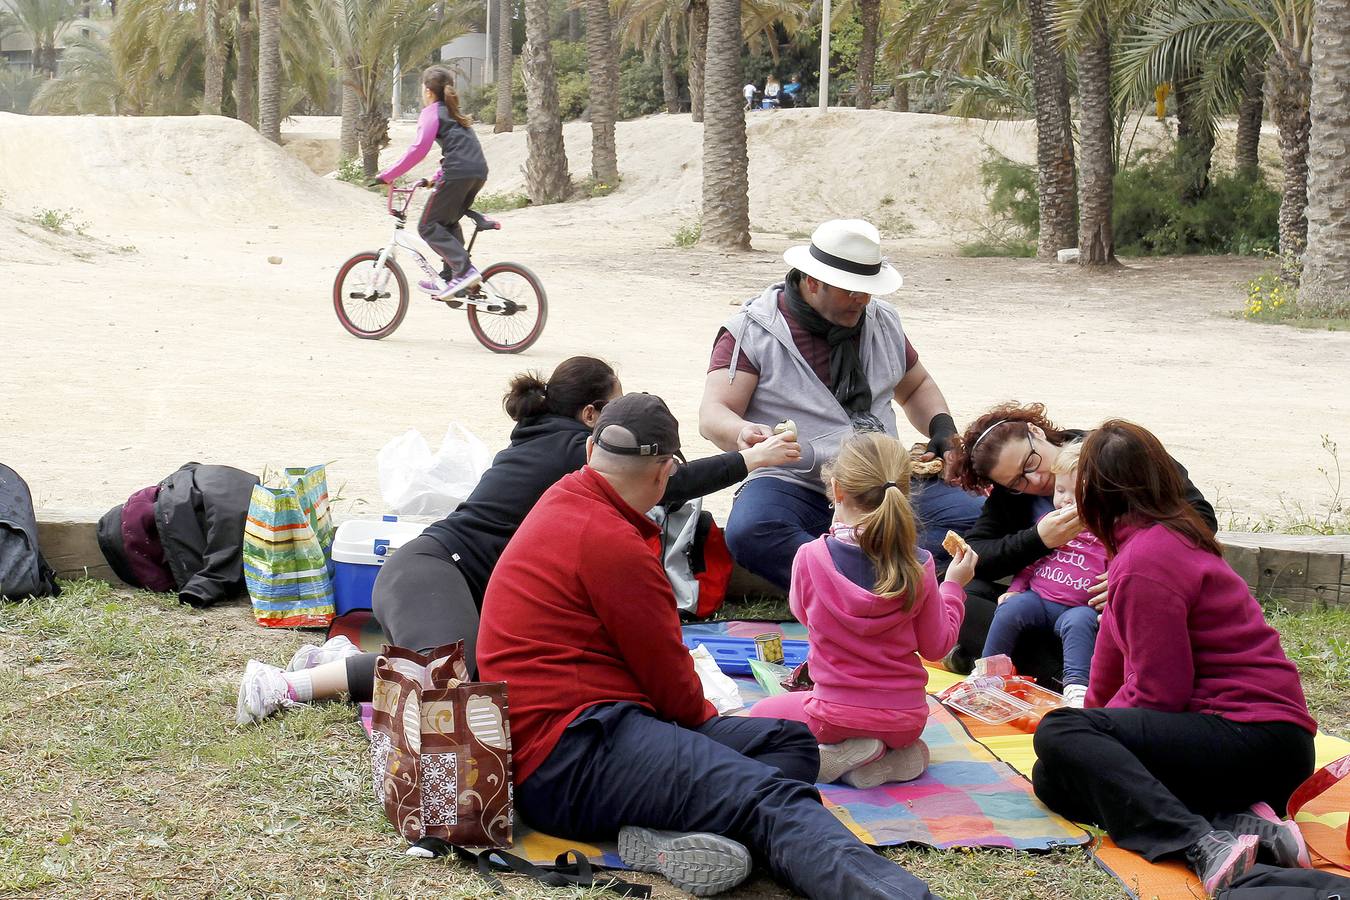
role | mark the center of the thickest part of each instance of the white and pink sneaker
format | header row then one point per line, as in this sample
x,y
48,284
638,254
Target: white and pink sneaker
x,y
468,278
432,285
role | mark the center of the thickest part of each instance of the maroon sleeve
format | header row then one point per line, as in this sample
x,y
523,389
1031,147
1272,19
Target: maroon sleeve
x,y
911,355
723,347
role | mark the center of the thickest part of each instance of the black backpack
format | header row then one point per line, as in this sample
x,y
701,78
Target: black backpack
x,y
23,571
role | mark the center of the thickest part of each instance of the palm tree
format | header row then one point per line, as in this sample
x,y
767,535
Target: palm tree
x,y
1212,40
698,56
1251,112
726,185
90,82
602,63
670,84
215,50
246,63
269,69
505,67
1326,263
546,175
366,36
41,21
650,26
1054,135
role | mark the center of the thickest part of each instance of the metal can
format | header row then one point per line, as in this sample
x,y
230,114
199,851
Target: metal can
x,y
769,648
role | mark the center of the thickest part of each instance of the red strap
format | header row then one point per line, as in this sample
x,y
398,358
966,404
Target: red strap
x,y
1318,783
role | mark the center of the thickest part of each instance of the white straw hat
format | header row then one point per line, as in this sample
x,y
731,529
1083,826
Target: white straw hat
x,y
846,253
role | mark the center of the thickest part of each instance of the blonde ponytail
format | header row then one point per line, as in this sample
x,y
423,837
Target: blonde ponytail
x,y
873,470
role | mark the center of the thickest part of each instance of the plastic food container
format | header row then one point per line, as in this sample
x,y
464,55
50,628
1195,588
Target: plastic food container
x,y
995,700
360,548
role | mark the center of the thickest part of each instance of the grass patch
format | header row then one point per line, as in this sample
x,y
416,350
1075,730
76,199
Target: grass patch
x,y
56,220
592,188
688,235
126,775
1294,518
352,171
1012,248
504,202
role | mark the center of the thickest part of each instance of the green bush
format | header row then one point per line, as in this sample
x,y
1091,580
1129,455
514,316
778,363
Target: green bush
x,y
1239,214
639,87
491,203
1011,187
688,235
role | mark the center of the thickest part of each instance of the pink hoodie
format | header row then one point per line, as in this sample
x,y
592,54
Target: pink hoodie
x,y
865,649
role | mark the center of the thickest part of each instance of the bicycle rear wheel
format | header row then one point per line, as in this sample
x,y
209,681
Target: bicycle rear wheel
x,y
370,302
509,308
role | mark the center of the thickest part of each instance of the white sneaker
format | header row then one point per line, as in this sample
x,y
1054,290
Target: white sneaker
x,y
904,764
836,759
1075,695
331,650
262,691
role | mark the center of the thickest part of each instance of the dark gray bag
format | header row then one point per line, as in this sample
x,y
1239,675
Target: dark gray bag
x,y
23,571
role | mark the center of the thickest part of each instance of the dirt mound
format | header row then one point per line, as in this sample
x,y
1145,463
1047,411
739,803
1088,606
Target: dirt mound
x,y
153,171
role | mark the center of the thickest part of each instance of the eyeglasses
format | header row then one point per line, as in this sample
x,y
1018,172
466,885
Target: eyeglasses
x,y
1030,466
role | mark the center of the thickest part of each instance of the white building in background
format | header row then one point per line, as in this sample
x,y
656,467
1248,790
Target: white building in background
x,y
466,56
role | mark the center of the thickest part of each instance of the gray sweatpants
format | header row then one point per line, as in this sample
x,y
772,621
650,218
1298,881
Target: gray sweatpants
x,y
423,602
439,225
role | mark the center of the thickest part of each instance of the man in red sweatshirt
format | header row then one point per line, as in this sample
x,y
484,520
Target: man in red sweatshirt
x,y
611,733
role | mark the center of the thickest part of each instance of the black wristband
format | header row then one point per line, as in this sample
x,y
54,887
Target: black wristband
x,y
942,426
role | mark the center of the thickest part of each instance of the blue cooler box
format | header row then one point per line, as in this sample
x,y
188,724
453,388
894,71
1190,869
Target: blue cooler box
x,y
360,547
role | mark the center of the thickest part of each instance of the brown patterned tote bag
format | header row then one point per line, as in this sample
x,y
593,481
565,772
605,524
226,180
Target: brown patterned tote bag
x,y
441,749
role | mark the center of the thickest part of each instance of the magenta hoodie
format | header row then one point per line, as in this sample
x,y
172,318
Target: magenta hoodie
x,y
865,649
1183,633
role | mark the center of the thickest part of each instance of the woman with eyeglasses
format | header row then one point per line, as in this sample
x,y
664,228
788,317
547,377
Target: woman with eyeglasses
x,y
429,593
1010,452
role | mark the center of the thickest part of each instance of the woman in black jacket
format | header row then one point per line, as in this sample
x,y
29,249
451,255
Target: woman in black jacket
x,y
429,593
1008,452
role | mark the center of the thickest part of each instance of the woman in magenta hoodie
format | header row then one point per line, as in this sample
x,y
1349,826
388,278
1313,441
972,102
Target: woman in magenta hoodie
x,y
1197,731
871,603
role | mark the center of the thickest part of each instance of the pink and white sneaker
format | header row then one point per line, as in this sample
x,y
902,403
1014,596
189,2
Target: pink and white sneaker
x,y
466,279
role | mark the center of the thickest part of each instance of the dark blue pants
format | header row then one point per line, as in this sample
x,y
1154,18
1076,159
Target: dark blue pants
x,y
771,518
748,779
1075,626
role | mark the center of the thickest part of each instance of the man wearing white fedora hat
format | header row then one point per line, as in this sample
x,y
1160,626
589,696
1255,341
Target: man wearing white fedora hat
x,y
819,351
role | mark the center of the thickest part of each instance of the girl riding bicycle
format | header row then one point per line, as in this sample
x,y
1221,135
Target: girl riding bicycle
x,y
463,173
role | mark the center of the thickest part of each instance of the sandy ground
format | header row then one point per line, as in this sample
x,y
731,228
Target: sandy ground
x,y
167,336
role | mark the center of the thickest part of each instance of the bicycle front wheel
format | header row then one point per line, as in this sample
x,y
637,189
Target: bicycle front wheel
x,y
370,301
509,308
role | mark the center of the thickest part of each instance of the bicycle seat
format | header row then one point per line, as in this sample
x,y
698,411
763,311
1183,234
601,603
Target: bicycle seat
x,y
491,224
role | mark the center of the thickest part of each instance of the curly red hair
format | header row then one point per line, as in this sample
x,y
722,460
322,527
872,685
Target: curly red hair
x,y
977,451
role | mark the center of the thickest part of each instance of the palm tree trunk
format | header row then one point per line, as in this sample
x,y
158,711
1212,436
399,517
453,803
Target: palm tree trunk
x,y
698,55
1195,139
546,176
726,185
269,70
1054,135
45,57
1096,164
505,69
1325,289
213,95
246,65
900,97
670,85
869,11
1291,95
373,129
1250,112
349,142
574,25
603,66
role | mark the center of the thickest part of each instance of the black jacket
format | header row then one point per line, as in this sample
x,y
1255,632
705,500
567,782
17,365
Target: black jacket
x,y
542,450
1005,535
200,514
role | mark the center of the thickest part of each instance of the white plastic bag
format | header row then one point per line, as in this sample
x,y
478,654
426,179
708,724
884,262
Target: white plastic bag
x,y
416,482
718,688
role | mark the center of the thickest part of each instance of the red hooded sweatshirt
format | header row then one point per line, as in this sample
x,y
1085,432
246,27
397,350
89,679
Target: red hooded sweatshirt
x,y
1183,633
579,612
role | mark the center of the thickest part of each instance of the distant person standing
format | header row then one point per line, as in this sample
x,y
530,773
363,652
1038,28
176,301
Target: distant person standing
x,y
791,90
772,92
463,173
749,92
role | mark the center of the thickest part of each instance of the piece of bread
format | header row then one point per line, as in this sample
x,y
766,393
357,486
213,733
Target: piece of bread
x,y
785,425
953,543
932,467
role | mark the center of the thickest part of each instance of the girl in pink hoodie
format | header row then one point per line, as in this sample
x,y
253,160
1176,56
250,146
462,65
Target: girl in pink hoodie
x,y
872,606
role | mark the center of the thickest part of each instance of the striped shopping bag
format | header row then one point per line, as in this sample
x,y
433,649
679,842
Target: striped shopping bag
x,y
287,539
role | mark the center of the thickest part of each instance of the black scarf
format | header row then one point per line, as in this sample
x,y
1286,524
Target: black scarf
x,y
848,381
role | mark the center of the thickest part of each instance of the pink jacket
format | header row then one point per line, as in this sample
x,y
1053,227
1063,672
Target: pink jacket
x,y
1183,633
865,649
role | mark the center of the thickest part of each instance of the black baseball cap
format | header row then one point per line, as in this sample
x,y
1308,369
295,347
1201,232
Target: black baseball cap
x,y
638,425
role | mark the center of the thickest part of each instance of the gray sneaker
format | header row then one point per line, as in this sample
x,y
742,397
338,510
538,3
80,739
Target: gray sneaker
x,y
700,863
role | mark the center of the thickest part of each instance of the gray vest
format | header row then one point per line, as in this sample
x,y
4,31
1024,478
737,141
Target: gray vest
x,y
789,388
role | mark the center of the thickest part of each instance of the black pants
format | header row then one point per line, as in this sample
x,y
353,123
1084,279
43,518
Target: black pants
x,y
1158,781
1038,652
439,226
423,602
749,779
